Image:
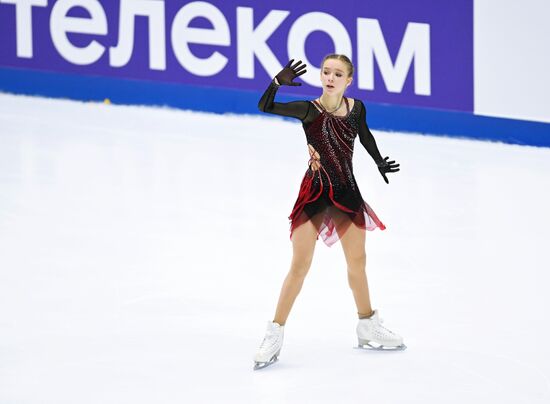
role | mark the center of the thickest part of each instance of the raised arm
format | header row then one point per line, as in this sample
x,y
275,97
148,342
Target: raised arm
x,y
295,109
367,140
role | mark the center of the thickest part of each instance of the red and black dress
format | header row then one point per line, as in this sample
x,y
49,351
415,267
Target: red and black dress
x,y
329,196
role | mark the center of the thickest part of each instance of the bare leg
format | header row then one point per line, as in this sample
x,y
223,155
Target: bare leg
x,y
353,244
303,246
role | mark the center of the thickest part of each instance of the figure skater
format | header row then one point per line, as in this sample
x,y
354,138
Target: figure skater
x,y
329,203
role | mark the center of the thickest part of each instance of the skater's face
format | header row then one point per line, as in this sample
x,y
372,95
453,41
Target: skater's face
x,y
335,77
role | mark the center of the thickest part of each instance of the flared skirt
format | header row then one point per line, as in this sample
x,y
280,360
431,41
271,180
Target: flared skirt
x,y
331,214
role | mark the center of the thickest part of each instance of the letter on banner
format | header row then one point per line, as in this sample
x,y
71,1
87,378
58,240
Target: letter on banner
x,y
61,25
23,24
153,9
415,46
182,35
252,42
305,25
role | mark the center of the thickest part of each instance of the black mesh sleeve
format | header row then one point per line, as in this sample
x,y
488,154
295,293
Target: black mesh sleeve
x,y
365,136
294,109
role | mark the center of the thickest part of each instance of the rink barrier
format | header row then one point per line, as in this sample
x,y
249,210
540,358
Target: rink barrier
x,y
218,100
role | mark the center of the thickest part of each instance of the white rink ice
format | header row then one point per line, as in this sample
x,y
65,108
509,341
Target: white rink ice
x,y
142,251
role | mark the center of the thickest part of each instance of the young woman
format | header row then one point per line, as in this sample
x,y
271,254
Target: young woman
x,y
329,203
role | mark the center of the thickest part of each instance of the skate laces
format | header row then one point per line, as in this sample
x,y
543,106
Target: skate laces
x,y
380,321
378,324
269,340
387,330
273,333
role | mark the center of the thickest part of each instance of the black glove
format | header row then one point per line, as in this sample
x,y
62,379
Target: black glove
x,y
289,73
385,166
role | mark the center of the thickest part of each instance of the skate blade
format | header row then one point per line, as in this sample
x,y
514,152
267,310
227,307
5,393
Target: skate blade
x,y
261,365
372,346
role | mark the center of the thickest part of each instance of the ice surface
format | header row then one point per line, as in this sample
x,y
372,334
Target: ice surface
x,y
142,251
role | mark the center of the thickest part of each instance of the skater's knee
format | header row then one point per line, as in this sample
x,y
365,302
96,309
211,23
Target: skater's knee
x,y
300,269
356,260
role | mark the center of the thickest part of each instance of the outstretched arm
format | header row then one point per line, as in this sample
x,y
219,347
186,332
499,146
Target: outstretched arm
x,y
367,140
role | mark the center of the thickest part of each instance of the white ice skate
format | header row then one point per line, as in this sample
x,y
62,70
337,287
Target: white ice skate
x,y
270,348
373,336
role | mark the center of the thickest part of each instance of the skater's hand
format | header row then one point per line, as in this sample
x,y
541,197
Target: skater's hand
x,y
385,166
289,73
315,160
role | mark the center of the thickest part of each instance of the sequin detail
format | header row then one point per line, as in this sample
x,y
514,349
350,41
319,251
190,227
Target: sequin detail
x,y
329,195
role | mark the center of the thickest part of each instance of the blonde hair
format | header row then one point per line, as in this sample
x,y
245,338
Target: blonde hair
x,y
342,58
